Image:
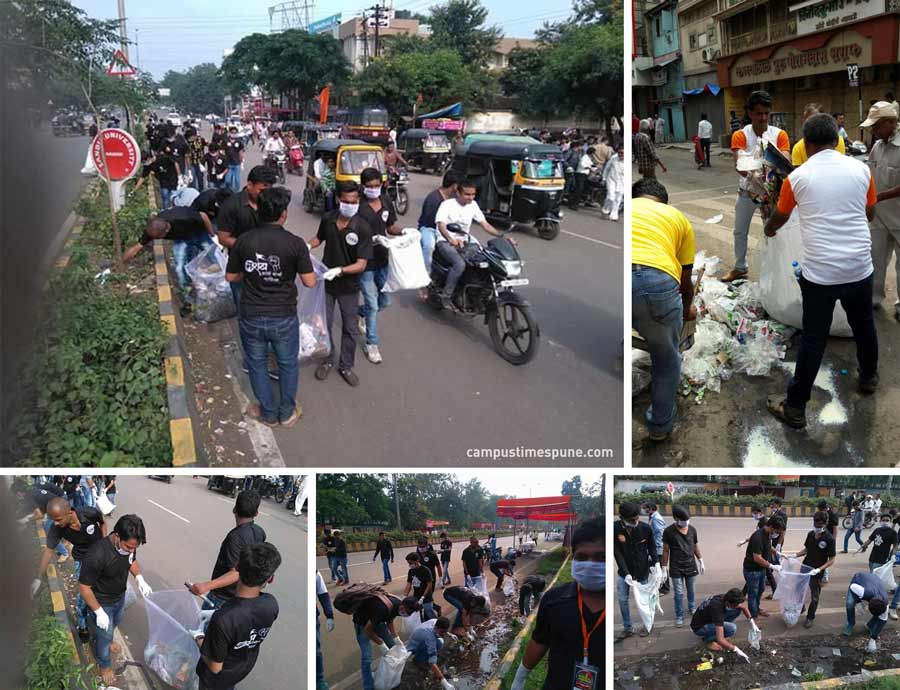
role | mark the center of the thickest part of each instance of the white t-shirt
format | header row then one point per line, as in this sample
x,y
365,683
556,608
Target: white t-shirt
x,y
584,164
704,129
831,192
319,168
320,585
451,211
274,144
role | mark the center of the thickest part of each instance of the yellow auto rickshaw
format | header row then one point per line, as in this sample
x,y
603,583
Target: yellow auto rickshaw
x,y
350,157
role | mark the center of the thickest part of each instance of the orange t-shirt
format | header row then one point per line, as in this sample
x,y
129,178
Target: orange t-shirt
x,y
739,141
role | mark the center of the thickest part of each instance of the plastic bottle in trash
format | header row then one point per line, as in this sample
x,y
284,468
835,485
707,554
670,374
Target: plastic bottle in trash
x,y
796,267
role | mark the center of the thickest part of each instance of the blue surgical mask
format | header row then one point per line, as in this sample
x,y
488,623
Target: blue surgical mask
x,y
372,192
590,575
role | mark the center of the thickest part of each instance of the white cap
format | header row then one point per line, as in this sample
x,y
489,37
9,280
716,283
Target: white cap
x,y
879,111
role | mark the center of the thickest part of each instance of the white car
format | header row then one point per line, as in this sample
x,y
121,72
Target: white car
x,y
211,117
174,118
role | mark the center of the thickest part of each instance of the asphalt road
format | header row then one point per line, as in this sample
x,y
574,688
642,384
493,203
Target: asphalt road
x,y
185,525
723,559
442,390
868,434
339,647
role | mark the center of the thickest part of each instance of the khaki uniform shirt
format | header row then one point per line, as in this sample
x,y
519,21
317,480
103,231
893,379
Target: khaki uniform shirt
x,y
884,160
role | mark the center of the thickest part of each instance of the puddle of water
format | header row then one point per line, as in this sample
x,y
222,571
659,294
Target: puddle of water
x,y
488,657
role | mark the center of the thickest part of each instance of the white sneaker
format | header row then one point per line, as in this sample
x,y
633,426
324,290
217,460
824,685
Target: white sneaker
x,y
373,354
362,326
893,615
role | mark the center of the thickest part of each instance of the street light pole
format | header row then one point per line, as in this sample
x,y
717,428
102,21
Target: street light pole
x,y
137,47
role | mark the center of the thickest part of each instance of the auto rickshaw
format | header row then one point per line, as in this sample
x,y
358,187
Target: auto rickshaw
x,y
308,133
426,149
228,484
518,180
351,157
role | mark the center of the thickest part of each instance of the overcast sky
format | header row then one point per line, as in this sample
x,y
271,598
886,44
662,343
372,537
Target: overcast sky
x,y
527,483
178,35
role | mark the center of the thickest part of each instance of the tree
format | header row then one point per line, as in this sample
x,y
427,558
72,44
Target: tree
x,y
200,89
240,70
399,44
459,25
407,14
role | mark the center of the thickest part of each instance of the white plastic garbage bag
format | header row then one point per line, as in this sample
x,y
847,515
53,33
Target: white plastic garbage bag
x,y
406,265
390,668
89,167
479,584
184,196
509,587
646,597
171,651
213,299
406,625
314,340
793,583
780,291
885,573
104,505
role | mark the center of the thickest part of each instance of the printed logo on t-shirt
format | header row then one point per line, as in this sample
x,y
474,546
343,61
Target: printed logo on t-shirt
x,y
268,268
821,544
256,638
878,540
384,216
90,529
352,239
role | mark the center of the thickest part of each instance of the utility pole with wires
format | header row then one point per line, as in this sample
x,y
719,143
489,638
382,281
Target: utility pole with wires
x,y
137,48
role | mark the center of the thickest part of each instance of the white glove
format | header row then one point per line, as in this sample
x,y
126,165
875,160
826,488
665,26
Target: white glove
x,y
35,586
754,626
146,590
404,231
702,567
520,679
741,654
446,684
629,580
215,239
381,240
332,273
775,568
24,520
102,619
814,572
329,624
384,648
421,601
664,572
205,617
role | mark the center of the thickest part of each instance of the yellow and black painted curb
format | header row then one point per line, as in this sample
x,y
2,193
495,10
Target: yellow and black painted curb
x,y
839,682
730,511
185,452
62,261
57,596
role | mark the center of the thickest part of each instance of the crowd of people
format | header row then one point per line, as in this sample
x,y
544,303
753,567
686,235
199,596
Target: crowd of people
x,y
377,614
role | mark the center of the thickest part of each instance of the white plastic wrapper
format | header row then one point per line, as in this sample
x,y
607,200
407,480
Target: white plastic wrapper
x,y
885,573
407,625
213,299
509,587
793,583
479,584
315,342
171,652
184,196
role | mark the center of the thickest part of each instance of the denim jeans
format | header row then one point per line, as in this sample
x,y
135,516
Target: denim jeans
x,y
874,626
657,313
374,300
457,604
81,608
847,538
321,683
526,597
818,310
708,631
332,566
756,583
744,208
198,177
61,547
103,638
445,576
183,252
428,239
341,568
87,496
233,178
165,195
283,334
386,569
622,594
679,585
895,602
420,651
365,651
457,266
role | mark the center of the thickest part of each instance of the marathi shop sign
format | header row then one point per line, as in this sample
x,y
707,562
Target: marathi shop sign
x,y
831,14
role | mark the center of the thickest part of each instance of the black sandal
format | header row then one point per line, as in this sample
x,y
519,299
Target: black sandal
x,y
777,406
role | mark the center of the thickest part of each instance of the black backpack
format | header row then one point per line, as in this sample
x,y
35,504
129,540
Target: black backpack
x,y
357,594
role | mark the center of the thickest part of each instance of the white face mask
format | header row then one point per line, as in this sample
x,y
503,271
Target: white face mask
x,y
372,192
349,210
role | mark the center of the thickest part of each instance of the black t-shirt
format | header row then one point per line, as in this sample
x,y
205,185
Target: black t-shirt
x,y
234,636
163,167
420,578
446,548
558,626
375,611
185,225
328,543
270,258
343,248
42,494
210,200
233,148
340,547
236,215
105,571
500,566
379,222
471,556
883,538
216,166
461,594
535,583
711,610
430,560
70,484
682,562
89,532
759,543
179,149
832,519
230,551
430,208
819,548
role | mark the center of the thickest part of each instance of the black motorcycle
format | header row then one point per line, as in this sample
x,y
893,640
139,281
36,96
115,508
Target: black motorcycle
x,y
487,287
397,183
277,160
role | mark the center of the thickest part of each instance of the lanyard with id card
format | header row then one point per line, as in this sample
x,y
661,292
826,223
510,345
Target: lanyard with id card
x,y
587,676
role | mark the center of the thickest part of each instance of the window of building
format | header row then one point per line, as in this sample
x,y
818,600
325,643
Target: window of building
x,y
711,36
693,41
702,40
657,27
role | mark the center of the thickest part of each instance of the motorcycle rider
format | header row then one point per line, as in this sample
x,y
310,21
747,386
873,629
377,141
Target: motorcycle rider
x,y
460,210
274,146
393,159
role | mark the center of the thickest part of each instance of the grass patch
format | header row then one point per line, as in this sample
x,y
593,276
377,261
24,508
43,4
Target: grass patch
x,y
877,684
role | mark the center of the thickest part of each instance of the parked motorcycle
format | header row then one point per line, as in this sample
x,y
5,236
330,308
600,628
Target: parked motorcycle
x,y
277,160
486,287
397,183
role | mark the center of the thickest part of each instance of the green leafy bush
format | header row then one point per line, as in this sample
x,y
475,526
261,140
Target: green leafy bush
x,y
662,499
51,664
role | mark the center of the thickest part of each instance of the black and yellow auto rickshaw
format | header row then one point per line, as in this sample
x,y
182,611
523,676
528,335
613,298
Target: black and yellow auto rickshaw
x,y
309,133
350,156
426,149
518,180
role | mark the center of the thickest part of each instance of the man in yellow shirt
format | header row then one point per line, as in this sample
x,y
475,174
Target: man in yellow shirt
x,y
798,153
662,256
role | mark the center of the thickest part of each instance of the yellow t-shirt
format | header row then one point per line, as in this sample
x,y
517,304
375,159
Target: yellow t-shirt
x,y
799,157
661,237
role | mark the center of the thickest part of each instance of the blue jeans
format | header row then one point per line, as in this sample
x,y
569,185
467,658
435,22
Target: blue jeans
x,y
874,626
895,602
321,683
233,178
756,583
283,333
184,251
657,313
445,575
166,197
370,284
679,585
365,651
708,631
87,496
341,568
81,608
61,547
457,604
386,568
429,239
847,538
198,177
622,593
332,567
103,638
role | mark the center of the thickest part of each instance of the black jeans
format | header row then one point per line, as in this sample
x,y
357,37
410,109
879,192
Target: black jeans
x,y
348,303
705,144
815,589
818,310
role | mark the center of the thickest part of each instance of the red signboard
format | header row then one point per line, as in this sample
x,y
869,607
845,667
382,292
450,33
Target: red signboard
x,y
122,154
120,67
445,125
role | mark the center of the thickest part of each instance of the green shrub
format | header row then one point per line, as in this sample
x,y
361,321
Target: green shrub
x,y
662,499
50,663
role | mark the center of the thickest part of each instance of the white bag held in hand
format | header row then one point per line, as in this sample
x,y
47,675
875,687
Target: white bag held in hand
x,y
479,584
390,668
407,625
885,573
104,505
646,597
314,339
780,291
793,583
509,587
406,266
171,651
213,299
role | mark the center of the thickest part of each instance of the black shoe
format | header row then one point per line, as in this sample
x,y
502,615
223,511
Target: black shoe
x,y
794,417
868,386
808,623
84,635
185,310
350,377
625,635
323,370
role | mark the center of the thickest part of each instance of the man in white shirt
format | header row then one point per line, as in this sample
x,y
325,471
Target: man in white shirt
x,y
704,133
835,196
461,210
274,143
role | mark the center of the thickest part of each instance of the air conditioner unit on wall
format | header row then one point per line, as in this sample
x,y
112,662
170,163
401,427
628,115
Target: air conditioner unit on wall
x,y
709,54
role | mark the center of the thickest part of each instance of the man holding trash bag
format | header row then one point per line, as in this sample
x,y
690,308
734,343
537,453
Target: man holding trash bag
x,y
102,584
680,555
267,261
884,539
867,587
758,560
635,553
424,645
713,621
818,554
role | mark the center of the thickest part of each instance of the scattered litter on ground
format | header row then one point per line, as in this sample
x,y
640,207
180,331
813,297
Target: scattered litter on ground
x,y
715,219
